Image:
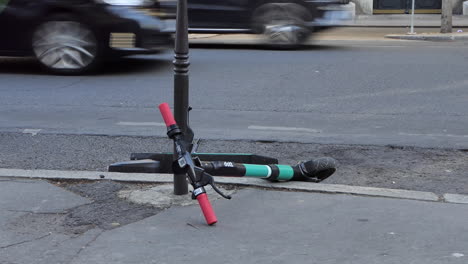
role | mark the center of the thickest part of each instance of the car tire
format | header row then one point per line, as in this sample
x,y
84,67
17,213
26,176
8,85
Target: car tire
x,y
283,24
64,45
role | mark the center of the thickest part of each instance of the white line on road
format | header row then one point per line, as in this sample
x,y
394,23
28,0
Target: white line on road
x,y
140,124
291,129
432,135
33,132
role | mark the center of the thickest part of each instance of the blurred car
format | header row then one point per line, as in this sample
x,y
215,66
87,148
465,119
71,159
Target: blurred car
x,y
285,23
74,36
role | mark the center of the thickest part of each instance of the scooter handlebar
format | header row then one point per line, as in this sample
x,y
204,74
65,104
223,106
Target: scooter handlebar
x,y
167,114
202,198
206,208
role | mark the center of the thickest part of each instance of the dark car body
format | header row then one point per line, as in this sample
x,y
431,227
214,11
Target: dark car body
x,y
116,29
284,22
238,15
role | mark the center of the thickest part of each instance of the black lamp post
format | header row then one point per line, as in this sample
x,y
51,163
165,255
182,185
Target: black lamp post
x,y
162,162
181,84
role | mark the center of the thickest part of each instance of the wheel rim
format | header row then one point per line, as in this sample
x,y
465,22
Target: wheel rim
x,y
282,26
64,45
286,34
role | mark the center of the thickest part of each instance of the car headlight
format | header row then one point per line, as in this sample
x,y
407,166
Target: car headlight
x,y
127,2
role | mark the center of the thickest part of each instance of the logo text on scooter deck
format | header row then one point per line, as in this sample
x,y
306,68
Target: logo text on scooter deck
x,y
228,164
198,191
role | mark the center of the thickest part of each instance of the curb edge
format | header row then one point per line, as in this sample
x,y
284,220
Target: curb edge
x,y
292,186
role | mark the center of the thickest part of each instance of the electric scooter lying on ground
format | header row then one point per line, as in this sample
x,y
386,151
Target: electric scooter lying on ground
x,y
199,173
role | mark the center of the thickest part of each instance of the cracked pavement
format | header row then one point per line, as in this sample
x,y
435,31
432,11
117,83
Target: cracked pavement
x,y
256,226
54,224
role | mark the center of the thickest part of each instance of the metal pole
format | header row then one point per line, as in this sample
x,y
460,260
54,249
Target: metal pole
x,y
181,84
412,17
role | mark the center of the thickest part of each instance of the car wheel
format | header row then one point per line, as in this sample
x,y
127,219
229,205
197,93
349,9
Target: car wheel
x,y
65,46
282,23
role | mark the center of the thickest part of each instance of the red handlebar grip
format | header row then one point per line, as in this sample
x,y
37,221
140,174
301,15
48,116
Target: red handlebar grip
x,y
167,114
206,208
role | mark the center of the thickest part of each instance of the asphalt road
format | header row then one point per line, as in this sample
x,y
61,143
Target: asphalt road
x,y
393,113
334,92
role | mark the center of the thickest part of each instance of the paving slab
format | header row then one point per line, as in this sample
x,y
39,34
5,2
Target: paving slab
x,y
256,226
259,226
29,214
36,196
49,248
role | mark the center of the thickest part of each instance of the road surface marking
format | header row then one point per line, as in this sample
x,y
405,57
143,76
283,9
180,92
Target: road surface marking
x,y
33,132
292,129
433,135
140,124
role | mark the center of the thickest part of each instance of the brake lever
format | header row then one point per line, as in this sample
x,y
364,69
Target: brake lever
x,y
205,179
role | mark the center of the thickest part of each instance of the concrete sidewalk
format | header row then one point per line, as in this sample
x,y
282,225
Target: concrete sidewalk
x,y
455,36
274,225
426,26
364,27
404,20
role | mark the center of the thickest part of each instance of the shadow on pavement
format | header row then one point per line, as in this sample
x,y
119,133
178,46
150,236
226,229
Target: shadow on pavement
x,y
126,65
13,65
144,63
135,64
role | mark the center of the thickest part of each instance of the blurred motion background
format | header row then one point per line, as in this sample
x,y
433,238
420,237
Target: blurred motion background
x,y
76,36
